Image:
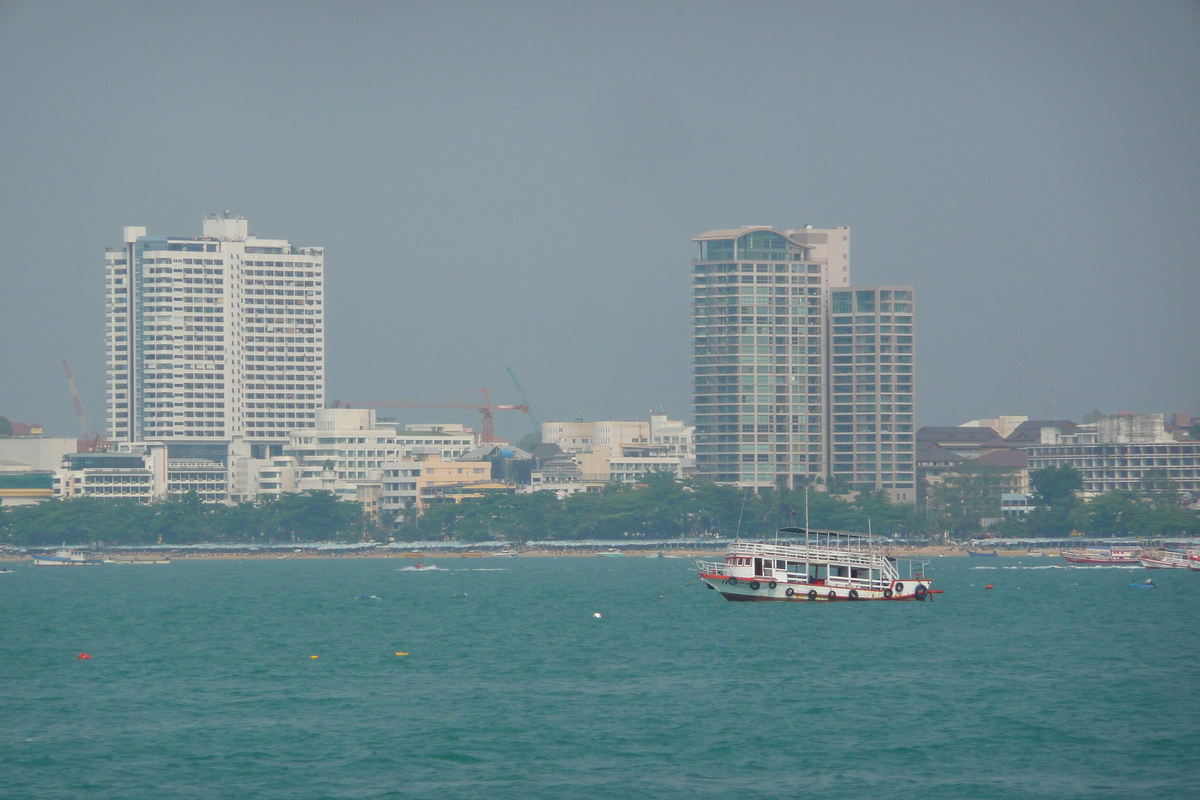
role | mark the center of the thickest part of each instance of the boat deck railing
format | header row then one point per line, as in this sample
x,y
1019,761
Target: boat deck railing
x,y
807,552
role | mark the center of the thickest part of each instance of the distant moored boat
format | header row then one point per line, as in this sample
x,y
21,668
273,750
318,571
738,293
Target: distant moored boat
x,y
1114,556
68,558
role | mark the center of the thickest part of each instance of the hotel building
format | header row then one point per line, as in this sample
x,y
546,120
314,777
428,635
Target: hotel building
x,y
213,338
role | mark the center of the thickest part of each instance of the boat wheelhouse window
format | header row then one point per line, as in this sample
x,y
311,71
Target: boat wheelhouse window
x,y
780,564
793,566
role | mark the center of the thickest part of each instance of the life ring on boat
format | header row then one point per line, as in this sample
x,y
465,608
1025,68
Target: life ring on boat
x,y
853,594
921,591
812,594
772,585
790,592
832,595
899,588
754,586
887,594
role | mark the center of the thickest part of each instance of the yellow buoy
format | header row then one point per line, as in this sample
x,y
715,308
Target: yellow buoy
x,y
401,654
314,656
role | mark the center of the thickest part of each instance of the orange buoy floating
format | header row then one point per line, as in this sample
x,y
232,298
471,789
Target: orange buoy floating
x,y
83,656
988,586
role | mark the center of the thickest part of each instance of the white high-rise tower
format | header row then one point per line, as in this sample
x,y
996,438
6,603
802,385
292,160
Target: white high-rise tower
x,y
214,338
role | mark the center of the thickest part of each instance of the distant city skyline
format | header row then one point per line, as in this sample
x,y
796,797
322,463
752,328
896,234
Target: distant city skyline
x,y
520,191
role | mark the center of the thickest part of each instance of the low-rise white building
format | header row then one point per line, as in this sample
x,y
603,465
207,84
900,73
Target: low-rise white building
x,y
616,450
38,452
136,472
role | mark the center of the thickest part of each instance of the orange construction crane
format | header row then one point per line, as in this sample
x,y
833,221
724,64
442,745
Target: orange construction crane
x,y
488,432
92,440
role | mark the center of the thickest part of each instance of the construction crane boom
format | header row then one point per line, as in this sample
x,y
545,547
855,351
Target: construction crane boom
x,y
487,434
536,427
83,426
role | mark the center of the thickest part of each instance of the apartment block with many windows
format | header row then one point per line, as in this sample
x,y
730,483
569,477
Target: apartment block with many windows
x,y
798,377
871,388
760,360
213,337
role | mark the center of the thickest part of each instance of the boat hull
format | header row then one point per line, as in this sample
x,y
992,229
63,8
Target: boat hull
x,y
1117,561
742,590
1158,563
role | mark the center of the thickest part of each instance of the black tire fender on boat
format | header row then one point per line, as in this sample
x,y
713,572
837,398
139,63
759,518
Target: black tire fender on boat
x,y
887,594
812,594
853,594
921,591
832,595
754,586
772,585
899,588
732,581
790,592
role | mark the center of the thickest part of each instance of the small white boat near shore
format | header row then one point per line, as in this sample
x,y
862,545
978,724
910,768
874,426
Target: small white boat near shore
x,y
66,557
1168,559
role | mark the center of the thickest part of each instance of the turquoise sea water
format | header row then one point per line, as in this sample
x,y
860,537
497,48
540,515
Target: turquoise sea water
x,y
1057,683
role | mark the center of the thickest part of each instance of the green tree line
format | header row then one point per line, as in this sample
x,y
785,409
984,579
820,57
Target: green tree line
x,y
1155,509
309,516
657,508
971,495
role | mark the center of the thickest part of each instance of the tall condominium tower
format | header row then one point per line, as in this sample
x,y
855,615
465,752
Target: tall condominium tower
x,y
214,338
871,388
766,362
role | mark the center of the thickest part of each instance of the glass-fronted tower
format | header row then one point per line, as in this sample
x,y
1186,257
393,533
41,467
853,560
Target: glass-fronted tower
x,y
798,377
213,338
759,352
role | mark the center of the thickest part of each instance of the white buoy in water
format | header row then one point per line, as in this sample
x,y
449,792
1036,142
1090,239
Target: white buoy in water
x,y
596,615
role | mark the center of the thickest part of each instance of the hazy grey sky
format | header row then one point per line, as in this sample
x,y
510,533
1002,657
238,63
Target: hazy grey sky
x,y
518,184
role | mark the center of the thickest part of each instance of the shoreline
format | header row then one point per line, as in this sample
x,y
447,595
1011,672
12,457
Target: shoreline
x,y
135,555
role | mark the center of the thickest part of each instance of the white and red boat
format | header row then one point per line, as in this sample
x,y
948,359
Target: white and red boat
x,y
1112,556
1168,559
821,566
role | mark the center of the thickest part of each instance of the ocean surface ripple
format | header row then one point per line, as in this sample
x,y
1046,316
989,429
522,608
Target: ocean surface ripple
x,y
1057,684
